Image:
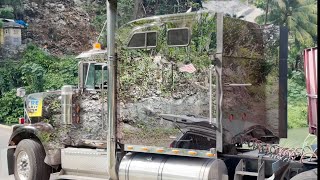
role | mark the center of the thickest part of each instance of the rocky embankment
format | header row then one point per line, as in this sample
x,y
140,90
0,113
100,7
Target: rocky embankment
x,y
62,27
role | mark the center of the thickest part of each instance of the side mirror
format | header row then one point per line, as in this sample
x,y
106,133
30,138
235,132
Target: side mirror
x,y
21,92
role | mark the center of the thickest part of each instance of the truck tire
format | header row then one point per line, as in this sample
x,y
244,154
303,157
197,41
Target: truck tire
x,y
29,161
307,175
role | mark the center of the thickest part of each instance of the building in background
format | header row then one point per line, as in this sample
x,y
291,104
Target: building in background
x,y
10,34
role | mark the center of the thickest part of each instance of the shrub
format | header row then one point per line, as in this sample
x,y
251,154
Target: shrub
x,y
37,71
6,13
297,115
11,107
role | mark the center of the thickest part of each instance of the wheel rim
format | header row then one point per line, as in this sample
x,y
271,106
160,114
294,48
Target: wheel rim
x,y
23,165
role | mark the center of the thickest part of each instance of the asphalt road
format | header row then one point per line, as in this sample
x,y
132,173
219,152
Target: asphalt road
x,y
4,138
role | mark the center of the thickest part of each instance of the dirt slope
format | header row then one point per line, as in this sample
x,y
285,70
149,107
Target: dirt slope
x,y
61,26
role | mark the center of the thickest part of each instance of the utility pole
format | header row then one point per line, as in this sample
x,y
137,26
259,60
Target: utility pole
x,y
112,117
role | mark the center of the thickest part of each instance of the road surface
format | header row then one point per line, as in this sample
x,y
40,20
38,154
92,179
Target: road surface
x,y
4,138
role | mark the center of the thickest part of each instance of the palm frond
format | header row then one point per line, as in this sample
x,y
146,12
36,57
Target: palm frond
x,y
282,4
306,37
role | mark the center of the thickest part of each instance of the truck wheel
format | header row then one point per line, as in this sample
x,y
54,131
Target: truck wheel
x,y
29,161
307,175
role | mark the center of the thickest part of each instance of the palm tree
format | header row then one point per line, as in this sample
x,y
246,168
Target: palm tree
x,y
300,16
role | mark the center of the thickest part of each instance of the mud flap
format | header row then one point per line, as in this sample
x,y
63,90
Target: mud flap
x,y
6,162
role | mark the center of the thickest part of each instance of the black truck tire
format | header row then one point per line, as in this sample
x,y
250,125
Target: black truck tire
x,y
307,175
29,161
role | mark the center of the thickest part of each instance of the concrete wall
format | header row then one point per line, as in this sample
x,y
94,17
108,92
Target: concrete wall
x,y
12,36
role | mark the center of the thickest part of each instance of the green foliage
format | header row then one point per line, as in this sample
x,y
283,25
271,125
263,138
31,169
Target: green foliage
x,y
10,76
262,4
32,74
6,13
146,8
37,71
11,107
63,71
125,11
297,115
33,54
170,7
14,9
297,101
300,16
138,69
296,88
41,71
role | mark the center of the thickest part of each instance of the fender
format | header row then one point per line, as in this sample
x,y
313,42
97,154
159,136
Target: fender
x,y
32,131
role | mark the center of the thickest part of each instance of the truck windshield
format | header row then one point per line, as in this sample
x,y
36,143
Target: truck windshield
x,y
101,76
95,75
90,76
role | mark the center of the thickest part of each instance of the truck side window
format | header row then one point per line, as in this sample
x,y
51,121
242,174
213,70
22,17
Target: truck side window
x,y
178,37
101,76
142,40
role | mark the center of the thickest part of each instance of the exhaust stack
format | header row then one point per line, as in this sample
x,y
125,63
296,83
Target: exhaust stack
x,y
66,101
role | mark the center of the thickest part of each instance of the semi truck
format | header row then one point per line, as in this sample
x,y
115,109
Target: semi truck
x,y
184,96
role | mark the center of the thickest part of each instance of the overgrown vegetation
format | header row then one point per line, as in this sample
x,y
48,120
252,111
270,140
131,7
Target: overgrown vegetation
x,y
301,19
297,100
129,10
37,71
6,13
13,9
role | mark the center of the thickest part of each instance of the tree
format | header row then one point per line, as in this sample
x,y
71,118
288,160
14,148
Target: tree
x,y
137,12
6,13
300,16
17,8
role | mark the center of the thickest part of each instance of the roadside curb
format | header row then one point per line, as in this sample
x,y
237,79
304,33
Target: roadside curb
x,y
5,127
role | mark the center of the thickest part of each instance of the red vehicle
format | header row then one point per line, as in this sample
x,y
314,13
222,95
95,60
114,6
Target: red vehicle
x,y
311,72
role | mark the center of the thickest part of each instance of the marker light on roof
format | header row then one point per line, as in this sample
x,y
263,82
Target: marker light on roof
x,y
97,46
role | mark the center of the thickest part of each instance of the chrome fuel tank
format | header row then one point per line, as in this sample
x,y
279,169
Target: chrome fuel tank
x,y
141,166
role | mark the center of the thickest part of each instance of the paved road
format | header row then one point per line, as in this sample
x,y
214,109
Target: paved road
x,y
4,138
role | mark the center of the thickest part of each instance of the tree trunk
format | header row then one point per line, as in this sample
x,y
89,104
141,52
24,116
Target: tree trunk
x,y
267,9
137,11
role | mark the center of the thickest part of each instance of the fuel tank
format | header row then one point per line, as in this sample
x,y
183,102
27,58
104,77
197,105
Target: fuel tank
x,y
137,166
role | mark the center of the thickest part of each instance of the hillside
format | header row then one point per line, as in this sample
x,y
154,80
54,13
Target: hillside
x,y
61,26
68,27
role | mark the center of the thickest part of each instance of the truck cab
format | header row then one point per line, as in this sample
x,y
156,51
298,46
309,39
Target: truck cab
x,y
183,93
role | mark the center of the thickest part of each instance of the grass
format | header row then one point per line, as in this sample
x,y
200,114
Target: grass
x,y
296,138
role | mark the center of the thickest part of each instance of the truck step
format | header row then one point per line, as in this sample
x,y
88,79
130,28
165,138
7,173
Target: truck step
x,y
241,170
73,177
246,173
